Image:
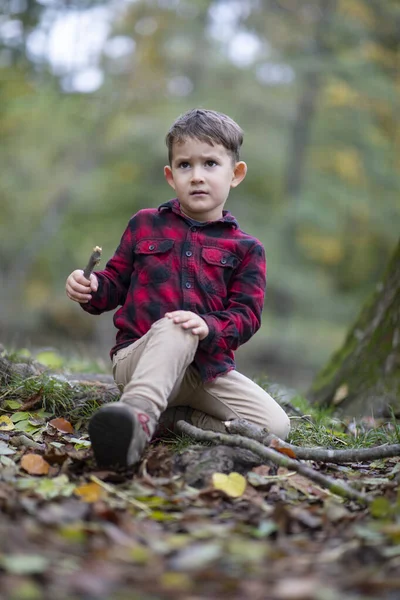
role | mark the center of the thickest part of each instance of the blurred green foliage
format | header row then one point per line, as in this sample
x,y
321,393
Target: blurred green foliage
x,y
315,86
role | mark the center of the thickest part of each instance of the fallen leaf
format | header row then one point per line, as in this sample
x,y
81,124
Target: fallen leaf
x,y
176,581
53,487
34,464
306,487
282,449
380,507
90,492
24,564
62,425
11,404
35,399
80,443
20,416
5,449
296,588
233,484
196,556
6,424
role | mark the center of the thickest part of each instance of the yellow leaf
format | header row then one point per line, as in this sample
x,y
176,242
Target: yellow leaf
x,y
34,464
90,492
6,424
233,484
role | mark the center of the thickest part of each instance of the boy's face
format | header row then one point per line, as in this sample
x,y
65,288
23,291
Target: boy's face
x,y
202,176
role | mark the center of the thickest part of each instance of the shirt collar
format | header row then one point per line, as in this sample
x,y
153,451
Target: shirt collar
x,y
175,207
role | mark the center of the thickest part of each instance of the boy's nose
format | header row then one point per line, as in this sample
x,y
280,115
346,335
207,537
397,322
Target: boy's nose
x,y
197,175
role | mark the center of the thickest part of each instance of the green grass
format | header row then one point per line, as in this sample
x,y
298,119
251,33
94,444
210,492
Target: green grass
x,y
180,441
57,396
319,427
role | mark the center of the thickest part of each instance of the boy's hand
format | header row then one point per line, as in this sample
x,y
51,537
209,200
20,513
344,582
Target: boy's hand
x,y
189,320
78,288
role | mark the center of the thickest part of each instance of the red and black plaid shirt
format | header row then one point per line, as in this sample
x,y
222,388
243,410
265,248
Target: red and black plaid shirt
x,y
165,262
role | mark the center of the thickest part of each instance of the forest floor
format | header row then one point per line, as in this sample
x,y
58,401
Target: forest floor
x,y
69,531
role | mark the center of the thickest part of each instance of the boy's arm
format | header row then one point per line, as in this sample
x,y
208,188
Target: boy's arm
x,y
115,278
235,325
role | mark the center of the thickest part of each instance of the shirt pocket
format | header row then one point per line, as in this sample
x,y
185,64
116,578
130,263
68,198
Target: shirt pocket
x,y
216,269
153,260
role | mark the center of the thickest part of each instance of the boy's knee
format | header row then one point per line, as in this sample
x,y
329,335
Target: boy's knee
x,y
168,327
282,426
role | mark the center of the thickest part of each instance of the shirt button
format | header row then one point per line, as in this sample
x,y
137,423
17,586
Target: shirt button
x,y
151,247
223,261
188,253
188,285
193,229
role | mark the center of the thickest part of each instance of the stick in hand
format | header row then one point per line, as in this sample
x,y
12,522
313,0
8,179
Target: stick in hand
x,y
93,261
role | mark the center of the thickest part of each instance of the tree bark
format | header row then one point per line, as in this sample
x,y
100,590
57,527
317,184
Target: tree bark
x,y
363,377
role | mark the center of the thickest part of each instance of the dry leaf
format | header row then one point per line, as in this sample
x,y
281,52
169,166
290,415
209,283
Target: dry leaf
x,y
34,464
306,487
282,449
62,425
90,492
233,484
6,424
33,400
341,394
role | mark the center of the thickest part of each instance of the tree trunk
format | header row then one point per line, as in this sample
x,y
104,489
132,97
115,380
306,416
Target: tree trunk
x,y
310,86
363,377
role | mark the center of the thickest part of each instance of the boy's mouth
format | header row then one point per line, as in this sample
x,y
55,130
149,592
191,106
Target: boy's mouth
x,y
198,193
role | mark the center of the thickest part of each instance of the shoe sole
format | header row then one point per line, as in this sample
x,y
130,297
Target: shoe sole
x,y
111,432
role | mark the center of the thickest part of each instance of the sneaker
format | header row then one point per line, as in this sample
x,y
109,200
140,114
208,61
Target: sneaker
x,y
166,425
119,434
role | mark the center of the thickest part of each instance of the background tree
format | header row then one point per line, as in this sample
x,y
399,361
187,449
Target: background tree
x,y
363,377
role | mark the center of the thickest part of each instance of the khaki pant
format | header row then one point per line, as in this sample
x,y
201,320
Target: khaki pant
x,y
155,373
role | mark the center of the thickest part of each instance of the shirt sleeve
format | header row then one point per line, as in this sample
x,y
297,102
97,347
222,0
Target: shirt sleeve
x,y
114,280
232,327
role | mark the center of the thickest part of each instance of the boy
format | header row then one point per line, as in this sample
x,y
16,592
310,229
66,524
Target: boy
x,y
191,287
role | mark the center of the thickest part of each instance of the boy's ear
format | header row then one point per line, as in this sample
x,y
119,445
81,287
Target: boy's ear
x,y
168,176
239,173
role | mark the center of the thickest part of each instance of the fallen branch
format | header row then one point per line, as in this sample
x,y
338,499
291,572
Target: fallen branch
x,y
335,486
244,428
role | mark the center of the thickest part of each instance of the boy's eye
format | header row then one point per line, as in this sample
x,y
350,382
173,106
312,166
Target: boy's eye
x,y
184,164
211,163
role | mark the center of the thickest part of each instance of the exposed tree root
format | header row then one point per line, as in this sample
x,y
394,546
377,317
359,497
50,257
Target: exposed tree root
x,y
335,486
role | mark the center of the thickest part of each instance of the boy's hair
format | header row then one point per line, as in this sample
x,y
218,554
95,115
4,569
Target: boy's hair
x,y
208,126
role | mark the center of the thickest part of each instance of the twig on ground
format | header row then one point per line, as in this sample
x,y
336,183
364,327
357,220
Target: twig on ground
x,y
336,486
24,440
249,430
